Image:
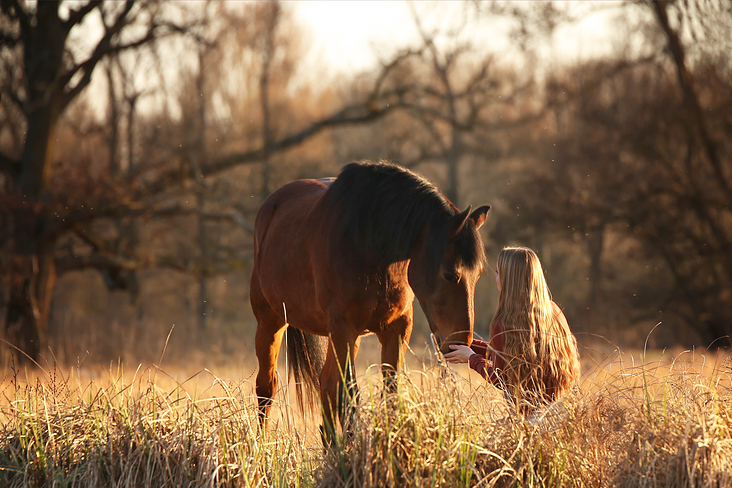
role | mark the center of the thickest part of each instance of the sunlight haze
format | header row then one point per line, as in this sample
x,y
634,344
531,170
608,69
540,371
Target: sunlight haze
x,y
347,34
351,35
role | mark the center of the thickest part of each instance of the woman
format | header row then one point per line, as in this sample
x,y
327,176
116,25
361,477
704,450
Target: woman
x,y
531,353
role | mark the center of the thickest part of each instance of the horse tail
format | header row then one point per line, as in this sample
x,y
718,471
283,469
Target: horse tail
x,y
306,357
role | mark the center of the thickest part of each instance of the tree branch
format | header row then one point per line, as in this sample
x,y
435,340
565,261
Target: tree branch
x,y
345,116
89,65
73,220
74,263
76,16
96,243
231,216
350,115
691,98
102,48
475,81
387,68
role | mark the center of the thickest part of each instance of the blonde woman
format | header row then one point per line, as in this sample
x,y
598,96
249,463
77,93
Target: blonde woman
x,y
531,353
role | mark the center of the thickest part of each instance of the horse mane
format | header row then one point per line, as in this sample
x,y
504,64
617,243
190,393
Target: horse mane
x,y
382,209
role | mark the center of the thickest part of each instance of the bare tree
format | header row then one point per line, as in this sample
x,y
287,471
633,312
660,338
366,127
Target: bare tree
x,y
455,97
272,16
51,77
640,156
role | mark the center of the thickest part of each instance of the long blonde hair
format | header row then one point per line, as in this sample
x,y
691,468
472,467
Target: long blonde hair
x,y
540,351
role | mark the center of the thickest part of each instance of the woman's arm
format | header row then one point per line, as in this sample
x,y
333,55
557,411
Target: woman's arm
x,y
497,343
477,362
482,366
480,347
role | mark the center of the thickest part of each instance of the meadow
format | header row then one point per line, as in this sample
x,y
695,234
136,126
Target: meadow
x,y
645,418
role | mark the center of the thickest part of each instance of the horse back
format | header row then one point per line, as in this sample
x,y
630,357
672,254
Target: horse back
x,y
289,204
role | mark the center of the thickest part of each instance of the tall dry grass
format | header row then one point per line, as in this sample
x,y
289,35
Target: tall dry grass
x,y
665,422
147,430
632,421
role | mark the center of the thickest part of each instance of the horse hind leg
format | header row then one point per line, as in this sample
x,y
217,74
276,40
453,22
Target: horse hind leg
x,y
267,348
267,341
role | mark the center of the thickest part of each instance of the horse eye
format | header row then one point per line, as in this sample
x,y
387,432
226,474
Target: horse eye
x,y
451,277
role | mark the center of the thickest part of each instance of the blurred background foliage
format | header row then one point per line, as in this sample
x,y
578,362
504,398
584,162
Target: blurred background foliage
x,y
138,139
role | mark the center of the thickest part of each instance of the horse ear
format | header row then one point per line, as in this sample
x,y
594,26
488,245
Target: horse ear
x,y
478,217
459,220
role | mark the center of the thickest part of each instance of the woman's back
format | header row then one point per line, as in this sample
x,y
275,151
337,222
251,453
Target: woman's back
x,y
531,354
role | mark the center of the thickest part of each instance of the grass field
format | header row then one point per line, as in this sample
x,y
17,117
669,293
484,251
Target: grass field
x,y
635,420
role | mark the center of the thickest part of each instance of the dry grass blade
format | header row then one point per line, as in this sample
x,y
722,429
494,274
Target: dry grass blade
x,y
663,423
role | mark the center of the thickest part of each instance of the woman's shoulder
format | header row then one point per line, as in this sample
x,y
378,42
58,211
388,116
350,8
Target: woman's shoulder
x,y
496,327
497,321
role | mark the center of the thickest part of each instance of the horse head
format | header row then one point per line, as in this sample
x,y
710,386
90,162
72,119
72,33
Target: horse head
x,y
443,271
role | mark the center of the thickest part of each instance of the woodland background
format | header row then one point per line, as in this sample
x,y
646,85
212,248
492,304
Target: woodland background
x,y
138,139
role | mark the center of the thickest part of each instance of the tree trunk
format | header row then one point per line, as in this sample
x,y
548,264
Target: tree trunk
x,y
453,162
697,120
201,193
595,241
33,272
114,118
32,278
32,268
267,51
715,329
35,162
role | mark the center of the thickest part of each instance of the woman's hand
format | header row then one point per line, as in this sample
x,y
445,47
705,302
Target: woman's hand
x,y
459,354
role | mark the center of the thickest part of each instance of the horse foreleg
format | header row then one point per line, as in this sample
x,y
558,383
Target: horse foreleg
x,y
267,346
338,389
394,339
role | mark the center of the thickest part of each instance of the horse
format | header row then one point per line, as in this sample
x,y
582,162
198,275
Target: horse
x,y
339,258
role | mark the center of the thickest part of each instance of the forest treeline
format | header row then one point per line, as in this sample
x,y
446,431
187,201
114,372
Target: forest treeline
x,y
138,138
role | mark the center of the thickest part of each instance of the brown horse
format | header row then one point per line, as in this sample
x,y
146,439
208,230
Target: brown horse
x,y
340,258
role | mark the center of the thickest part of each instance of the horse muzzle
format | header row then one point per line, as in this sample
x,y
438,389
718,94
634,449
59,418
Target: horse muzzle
x,y
456,338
